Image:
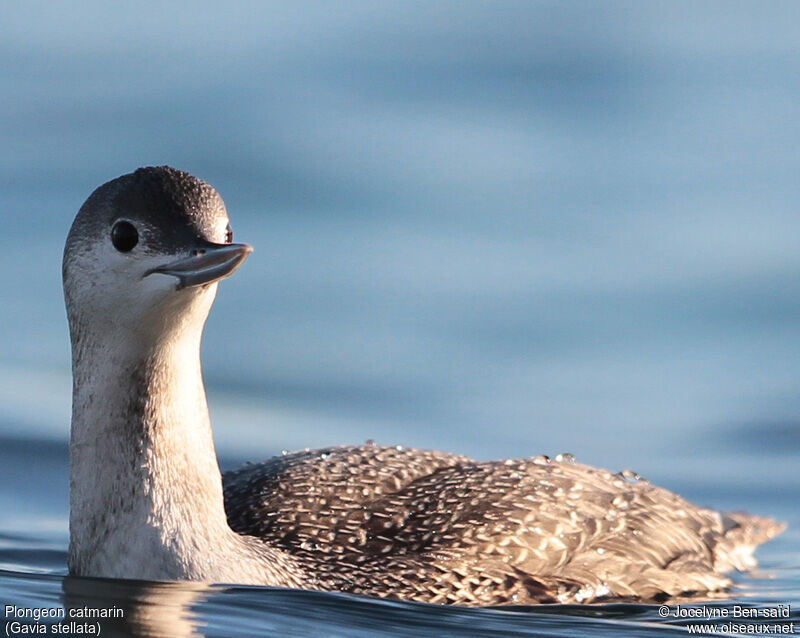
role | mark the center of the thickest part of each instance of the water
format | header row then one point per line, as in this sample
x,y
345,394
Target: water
x,y
500,230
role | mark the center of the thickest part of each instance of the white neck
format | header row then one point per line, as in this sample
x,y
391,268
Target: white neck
x,y
145,487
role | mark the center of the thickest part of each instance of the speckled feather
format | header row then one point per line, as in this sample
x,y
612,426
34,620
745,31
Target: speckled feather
x,y
442,528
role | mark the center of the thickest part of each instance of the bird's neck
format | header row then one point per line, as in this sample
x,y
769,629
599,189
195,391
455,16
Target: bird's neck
x,y
144,476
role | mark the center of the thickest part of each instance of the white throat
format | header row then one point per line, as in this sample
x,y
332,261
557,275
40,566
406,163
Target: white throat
x,y
145,487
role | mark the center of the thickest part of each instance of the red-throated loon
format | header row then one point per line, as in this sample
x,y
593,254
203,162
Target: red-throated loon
x,y
141,266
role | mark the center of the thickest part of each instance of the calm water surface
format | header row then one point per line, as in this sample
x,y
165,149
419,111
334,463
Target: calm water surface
x,y
498,229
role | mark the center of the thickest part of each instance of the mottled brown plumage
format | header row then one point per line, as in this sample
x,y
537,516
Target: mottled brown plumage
x,y
442,528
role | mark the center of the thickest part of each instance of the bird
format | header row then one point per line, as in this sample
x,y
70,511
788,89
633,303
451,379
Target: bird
x,y
141,267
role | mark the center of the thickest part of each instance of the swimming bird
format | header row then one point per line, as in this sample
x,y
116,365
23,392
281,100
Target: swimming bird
x,y
147,500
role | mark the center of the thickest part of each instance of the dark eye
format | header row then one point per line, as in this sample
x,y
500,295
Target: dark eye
x,y
228,234
124,236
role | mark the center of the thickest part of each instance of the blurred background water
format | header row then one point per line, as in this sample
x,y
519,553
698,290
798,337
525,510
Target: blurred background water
x,y
501,229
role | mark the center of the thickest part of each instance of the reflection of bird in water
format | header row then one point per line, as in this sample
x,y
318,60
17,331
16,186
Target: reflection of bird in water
x,y
140,270
134,608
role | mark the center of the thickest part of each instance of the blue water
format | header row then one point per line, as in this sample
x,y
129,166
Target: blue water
x,y
501,229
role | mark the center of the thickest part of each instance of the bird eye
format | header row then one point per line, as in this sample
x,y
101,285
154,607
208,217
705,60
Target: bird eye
x,y
228,234
124,236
